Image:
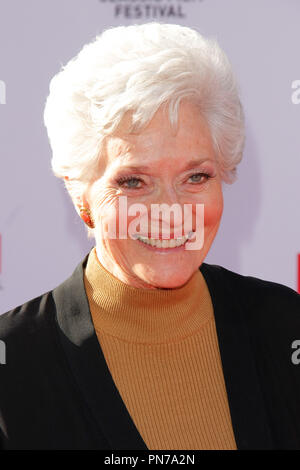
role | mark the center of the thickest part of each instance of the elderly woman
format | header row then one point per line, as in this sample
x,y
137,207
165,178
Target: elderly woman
x,y
146,346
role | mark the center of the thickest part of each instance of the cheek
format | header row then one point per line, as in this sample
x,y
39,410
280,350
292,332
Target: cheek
x,y
213,210
113,218
104,204
213,204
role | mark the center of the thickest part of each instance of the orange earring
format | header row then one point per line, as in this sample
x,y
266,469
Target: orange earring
x,y
85,214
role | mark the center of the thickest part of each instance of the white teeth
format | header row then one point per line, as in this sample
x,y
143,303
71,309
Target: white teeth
x,y
172,243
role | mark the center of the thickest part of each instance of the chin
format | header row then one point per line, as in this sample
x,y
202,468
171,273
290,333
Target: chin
x,y
166,280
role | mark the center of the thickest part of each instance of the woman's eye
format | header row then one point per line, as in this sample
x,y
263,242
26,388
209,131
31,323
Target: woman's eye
x,y
129,183
133,182
197,177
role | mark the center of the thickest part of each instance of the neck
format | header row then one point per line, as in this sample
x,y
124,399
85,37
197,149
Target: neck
x,y
145,315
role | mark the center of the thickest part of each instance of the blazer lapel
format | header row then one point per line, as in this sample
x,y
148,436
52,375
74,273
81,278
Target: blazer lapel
x,y
89,367
248,415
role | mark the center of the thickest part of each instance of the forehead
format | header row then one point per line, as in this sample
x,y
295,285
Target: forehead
x,y
159,142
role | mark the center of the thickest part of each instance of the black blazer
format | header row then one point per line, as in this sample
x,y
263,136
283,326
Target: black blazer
x,y
56,391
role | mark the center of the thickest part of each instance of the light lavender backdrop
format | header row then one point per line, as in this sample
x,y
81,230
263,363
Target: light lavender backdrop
x,y
42,237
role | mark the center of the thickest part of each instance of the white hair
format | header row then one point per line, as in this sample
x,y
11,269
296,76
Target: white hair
x,y
138,68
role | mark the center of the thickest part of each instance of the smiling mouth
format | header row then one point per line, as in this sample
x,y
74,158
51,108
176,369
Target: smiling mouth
x,y
171,243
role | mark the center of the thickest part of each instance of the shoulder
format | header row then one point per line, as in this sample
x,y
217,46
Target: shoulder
x,y
263,300
21,325
38,314
268,314
262,290
258,285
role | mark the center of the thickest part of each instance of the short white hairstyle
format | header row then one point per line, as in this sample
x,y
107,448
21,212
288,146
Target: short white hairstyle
x,y
138,68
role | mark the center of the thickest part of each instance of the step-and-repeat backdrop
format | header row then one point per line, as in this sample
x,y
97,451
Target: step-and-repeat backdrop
x,y
42,239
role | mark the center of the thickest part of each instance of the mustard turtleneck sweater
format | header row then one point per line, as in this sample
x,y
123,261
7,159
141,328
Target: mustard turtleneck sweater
x,y
162,351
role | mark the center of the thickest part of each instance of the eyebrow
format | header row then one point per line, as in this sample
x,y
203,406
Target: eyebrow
x,y
141,168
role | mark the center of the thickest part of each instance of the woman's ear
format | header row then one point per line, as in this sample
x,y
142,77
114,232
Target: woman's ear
x,y
75,190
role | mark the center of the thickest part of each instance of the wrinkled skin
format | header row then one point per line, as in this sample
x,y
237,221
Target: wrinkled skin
x,y
166,180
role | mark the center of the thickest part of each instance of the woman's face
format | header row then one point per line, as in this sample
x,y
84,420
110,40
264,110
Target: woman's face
x,y
156,166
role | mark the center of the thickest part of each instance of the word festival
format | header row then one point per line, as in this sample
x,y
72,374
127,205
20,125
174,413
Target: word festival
x,y
155,9
149,11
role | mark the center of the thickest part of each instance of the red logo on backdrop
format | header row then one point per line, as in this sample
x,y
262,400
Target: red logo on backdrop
x,y
0,253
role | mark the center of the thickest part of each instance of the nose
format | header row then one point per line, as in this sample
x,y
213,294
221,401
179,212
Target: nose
x,y
167,195
167,212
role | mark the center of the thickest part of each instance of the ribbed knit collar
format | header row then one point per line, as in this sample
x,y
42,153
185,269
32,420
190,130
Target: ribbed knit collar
x,y
145,315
